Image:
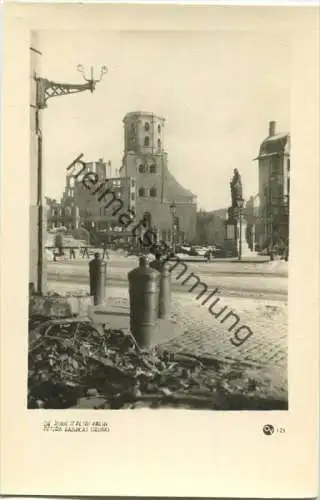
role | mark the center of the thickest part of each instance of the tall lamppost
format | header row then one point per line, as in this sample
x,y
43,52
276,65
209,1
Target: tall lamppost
x,y
240,203
46,89
173,210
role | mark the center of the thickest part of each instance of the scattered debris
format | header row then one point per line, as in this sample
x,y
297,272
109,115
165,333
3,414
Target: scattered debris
x,y
74,363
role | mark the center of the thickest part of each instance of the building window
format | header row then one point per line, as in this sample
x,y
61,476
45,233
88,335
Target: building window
x,y
132,196
159,129
146,141
142,192
132,183
159,144
153,192
153,169
147,126
141,168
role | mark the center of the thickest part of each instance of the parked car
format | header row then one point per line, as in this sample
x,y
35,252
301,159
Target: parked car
x,y
193,251
198,251
264,252
186,249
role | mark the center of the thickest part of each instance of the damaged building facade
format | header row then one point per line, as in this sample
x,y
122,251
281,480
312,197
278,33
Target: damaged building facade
x,y
144,186
268,212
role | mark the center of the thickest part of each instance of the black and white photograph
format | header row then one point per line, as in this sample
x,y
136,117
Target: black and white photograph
x,y
159,220
159,251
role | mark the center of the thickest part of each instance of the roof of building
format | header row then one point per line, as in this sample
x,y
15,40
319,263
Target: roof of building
x,y
141,113
174,189
274,144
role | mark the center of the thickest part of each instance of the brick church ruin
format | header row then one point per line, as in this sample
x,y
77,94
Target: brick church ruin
x,y
144,184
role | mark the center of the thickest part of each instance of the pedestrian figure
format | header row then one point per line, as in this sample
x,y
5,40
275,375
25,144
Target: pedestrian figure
x,y
157,262
105,252
59,244
208,255
85,252
72,253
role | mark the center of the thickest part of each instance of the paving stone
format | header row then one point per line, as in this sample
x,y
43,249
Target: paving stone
x,y
207,336
201,333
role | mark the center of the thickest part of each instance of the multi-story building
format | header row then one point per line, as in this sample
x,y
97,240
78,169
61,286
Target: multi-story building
x,y
146,160
251,213
62,214
101,206
274,189
144,188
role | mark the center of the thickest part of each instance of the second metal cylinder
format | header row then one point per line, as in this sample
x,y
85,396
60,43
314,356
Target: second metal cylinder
x,y
165,288
98,279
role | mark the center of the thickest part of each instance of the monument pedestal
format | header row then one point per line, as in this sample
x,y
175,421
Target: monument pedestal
x,y
230,239
245,249
232,236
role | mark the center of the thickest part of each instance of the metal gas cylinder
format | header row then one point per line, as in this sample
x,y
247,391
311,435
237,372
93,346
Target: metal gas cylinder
x,y
144,287
98,279
165,287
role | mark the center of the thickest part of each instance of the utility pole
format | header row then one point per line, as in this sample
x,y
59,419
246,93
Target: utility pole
x,y
45,90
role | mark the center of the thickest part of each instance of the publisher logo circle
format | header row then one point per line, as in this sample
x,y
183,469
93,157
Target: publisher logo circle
x,y
268,429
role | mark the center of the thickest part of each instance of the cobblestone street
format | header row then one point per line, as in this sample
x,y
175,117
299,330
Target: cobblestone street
x,y
205,335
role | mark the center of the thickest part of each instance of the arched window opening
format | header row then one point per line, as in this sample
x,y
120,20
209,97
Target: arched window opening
x,y
147,126
153,169
142,192
153,192
141,168
159,144
146,141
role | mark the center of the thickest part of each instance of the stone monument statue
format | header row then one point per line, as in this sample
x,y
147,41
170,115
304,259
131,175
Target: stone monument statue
x,y
236,188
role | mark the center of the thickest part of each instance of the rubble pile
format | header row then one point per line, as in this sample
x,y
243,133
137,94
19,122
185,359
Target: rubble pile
x,y
77,364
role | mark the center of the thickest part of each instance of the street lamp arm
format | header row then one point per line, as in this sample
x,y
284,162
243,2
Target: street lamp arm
x,y
47,89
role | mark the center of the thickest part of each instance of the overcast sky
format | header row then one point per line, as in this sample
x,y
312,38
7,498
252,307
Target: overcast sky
x,y
216,90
